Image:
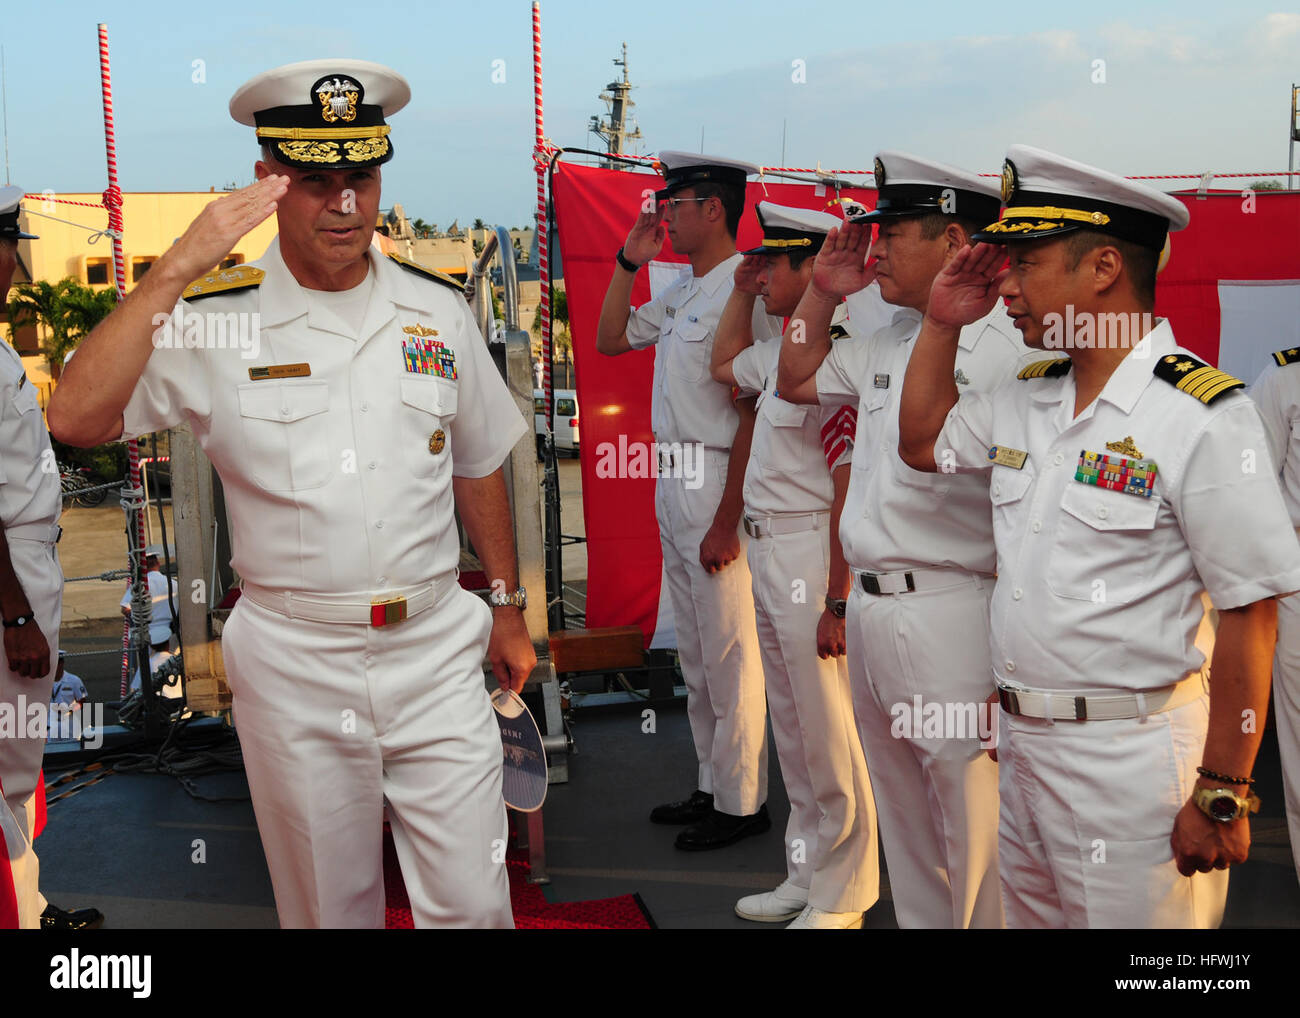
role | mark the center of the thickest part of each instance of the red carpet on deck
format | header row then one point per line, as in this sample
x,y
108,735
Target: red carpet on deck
x,y
532,910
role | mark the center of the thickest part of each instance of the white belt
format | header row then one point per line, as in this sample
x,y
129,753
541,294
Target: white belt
x,y
46,533
914,580
1045,703
350,609
771,526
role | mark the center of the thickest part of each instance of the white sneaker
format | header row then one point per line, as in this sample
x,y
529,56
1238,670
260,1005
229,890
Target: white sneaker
x,y
815,919
776,906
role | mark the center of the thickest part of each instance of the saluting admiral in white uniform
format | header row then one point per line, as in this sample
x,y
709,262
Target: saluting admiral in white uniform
x,y
1277,394
792,505
699,526
369,414
921,546
1119,499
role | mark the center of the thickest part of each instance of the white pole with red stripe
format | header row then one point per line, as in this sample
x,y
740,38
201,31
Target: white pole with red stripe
x,y
113,202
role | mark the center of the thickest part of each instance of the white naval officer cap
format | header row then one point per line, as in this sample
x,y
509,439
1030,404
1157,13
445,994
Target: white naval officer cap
x,y
786,229
1047,195
9,199
323,114
683,169
908,185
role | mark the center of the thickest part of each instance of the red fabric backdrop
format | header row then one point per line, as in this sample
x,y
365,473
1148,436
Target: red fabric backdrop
x,y
594,209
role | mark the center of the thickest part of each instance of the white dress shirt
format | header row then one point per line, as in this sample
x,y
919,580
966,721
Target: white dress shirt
x,y
338,481
897,518
687,405
1100,589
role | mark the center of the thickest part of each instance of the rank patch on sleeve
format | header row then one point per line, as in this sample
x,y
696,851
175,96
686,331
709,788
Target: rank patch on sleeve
x,y
428,356
1118,473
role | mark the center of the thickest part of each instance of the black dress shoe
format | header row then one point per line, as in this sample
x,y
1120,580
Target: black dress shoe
x,y
721,829
55,918
687,811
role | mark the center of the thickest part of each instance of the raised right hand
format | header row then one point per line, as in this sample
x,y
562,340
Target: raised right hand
x,y
646,238
746,275
218,228
841,267
966,288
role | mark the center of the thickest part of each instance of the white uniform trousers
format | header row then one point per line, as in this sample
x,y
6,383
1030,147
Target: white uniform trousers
x,y
717,644
37,565
937,797
1286,710
333,720
1088,809
831,835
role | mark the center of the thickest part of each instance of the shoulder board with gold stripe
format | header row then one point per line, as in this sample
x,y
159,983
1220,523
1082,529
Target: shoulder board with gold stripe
x,y
1046,369
428,273
1285,357
1196,378
238,277
839,332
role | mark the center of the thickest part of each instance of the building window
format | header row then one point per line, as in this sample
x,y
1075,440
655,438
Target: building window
x,y
139,266
97,271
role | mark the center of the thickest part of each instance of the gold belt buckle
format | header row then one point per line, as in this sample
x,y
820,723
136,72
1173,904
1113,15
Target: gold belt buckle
x,y
387,611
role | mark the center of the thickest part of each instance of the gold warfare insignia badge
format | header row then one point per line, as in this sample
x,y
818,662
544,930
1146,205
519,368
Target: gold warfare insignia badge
x,y
880,174
1125,448
338,99
419,330
1008,180
437,441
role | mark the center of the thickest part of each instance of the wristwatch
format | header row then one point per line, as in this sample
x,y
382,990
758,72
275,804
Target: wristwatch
x,y
1223,805
519,599
623,260
837,606
22,620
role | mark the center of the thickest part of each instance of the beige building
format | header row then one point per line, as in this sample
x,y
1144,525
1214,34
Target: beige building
x,y
151,222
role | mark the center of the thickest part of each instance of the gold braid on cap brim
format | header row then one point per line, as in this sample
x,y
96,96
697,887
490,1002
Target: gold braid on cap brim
x,y
798,242
1043,213
323,133
328,152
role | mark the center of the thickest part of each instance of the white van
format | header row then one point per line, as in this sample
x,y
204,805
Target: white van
x,y
566,420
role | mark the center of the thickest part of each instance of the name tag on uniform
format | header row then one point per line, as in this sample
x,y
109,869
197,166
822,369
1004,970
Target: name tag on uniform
x,y
279,371
1005,456
1118,473
881,382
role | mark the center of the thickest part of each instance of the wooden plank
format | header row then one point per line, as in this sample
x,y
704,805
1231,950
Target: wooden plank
x,y
593,650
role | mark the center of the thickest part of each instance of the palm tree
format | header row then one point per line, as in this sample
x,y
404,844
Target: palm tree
x,y
67,310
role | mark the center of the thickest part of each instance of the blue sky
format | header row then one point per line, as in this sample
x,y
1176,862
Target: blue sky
x,y
1189,86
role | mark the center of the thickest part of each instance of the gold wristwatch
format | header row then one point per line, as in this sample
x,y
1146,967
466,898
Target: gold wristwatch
x,y
1224,805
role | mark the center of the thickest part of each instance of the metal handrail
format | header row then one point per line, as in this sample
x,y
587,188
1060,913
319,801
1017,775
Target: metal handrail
x,y
498,241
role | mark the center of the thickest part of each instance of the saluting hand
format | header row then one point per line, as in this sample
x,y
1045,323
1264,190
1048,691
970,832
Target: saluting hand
x,y
218,228
966,288
746,275
646,238
841,267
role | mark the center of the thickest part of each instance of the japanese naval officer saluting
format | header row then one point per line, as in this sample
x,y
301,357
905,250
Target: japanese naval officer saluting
x,y
699,524
1121,494
922,545
370,413
793,500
